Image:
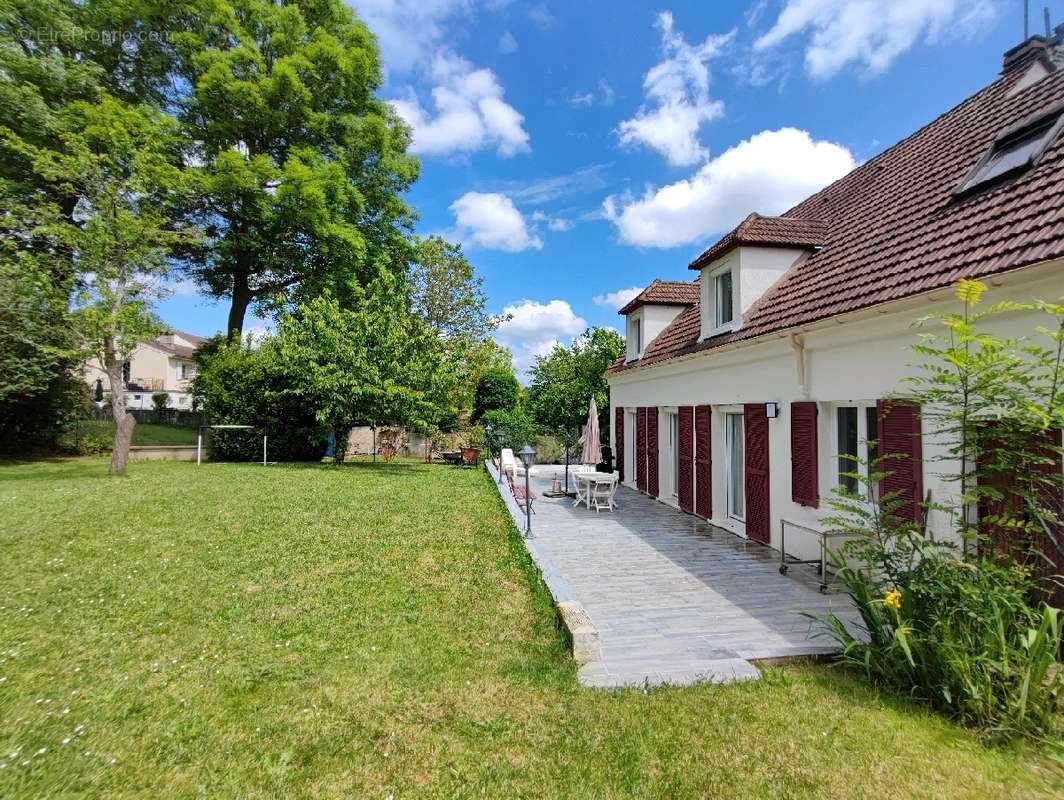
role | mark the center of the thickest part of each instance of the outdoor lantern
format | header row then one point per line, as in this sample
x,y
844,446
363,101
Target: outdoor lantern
x,y
772,410
528,458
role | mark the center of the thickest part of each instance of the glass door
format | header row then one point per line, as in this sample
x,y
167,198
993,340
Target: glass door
x,y
735,464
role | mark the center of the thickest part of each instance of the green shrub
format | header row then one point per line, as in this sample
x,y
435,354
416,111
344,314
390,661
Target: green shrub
x,y
963,633
87,437
549,449
511,429
240,385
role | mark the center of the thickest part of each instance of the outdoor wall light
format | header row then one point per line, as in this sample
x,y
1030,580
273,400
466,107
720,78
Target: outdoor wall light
x,y
772,410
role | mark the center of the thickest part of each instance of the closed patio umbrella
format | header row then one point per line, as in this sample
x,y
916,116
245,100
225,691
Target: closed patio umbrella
x,y
592,449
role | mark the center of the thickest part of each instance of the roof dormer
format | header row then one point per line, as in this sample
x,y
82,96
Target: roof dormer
x,y
745,263
650,312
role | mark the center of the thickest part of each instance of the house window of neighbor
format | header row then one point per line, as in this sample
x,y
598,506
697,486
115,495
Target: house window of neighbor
x,y
125,372
857,428
735,483
1015,150
187,372
637,337
722,292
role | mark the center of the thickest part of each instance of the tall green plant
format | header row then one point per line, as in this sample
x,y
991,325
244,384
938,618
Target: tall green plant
x,y
965,630
993,403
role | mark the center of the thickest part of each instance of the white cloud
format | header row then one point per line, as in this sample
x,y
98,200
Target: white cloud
x,y
491,220
618,299
607,92
409,30
182,288
871,33
470,112
554,223
507,43
678,89
767,173
544,190
605,96
533,329
541,16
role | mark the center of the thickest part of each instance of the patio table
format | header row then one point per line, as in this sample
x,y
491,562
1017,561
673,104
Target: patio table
x,y
583,485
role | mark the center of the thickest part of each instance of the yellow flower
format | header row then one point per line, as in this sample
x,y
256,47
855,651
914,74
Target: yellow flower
x,y
893,599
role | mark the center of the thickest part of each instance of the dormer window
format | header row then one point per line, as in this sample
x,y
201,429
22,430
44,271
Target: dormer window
x,y
722,293
635,337
1016,149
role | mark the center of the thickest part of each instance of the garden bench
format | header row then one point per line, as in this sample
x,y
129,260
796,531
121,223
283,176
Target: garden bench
x,y
519,494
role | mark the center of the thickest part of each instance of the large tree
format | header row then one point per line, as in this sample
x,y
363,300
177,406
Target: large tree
x,y
445,292
564,381
300,166
43,69
120,162
372,363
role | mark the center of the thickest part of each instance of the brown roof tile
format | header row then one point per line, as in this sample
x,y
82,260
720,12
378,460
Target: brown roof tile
x,y
664,293
757,230
892,228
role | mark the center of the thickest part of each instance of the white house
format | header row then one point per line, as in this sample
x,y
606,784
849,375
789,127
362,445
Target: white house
x,y
740,389
165,364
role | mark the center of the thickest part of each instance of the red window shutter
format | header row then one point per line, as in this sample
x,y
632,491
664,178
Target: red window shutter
x,y
652,451
703,463
641,449
805,477
1032,547
618,439
757,478
685,423
901,447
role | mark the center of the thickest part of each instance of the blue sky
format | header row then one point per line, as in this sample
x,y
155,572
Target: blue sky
x,y
580,149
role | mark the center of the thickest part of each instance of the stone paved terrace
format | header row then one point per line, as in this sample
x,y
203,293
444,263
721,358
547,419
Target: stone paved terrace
x,y
673,599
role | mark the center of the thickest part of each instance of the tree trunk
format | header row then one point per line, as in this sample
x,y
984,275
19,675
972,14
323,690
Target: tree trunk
x,y
238,307
123,421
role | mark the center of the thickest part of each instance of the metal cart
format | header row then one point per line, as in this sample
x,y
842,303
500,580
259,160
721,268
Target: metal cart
x,y
786,562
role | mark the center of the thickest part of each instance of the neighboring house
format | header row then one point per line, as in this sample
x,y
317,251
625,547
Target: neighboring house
x,y
741,389
165,364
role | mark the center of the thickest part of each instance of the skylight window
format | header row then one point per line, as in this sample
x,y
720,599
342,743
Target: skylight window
x,y
1015,150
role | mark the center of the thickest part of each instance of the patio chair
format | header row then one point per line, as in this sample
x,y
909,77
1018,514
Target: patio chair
x,y
508,464
518,492
600,495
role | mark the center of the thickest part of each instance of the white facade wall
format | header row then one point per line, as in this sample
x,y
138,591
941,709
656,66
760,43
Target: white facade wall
x,y
150,366
846,361
653,319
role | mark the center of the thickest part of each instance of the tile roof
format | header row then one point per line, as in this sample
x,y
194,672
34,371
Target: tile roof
x,y
179,350
893,227
664,293
756,230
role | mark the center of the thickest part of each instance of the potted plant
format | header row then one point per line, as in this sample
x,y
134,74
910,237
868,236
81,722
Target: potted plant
x,y
474,443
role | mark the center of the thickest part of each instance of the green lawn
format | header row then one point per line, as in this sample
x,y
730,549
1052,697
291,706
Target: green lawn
x,y
369,631
144,433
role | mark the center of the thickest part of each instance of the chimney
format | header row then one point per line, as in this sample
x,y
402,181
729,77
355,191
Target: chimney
x,y
1034,47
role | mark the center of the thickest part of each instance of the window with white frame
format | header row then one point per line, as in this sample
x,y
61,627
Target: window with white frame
x,y
722,298
856,432
186,371
735,465
719,298
635,338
